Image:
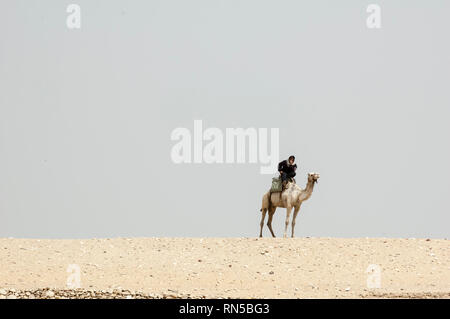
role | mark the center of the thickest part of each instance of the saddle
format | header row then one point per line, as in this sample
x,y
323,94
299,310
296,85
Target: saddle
x,y
278,185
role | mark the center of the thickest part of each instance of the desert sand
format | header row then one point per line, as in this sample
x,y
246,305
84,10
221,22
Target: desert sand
x,y
225,268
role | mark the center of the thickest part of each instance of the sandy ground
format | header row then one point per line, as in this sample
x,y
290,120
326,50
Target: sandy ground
x,y
226,267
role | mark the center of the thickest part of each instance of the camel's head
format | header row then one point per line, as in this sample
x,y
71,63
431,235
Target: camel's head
x,y
313,177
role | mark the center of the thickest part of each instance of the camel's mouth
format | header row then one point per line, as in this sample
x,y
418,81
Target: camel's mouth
x,y
315,177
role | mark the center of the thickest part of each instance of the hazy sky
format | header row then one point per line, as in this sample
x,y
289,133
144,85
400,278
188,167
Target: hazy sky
x,y
86,116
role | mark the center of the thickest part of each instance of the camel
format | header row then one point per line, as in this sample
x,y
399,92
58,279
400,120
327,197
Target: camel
x,y
292,197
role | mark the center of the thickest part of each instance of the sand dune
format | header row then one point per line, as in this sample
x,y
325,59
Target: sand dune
x,y
225,267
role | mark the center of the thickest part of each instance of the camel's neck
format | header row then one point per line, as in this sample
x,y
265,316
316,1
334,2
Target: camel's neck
x,y
308,190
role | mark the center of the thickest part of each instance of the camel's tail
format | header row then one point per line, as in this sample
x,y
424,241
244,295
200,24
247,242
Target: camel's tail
x,y
269,203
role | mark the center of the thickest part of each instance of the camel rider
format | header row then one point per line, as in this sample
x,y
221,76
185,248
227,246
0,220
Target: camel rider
x,y
287,169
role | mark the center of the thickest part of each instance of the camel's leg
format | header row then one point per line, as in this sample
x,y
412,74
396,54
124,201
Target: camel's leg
x,y
288,214
269,222
264,211
296,210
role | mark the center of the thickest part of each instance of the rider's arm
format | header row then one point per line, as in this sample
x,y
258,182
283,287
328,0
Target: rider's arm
x,y
280,167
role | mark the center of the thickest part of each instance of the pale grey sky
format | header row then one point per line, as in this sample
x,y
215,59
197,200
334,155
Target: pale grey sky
x,y
86,116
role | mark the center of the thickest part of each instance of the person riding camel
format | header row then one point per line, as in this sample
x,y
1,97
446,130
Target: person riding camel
x,y
287,170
